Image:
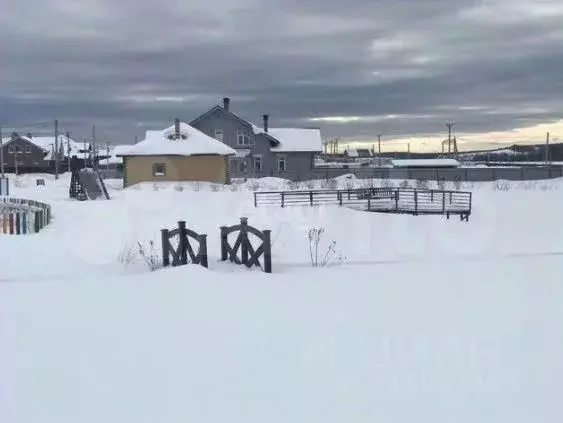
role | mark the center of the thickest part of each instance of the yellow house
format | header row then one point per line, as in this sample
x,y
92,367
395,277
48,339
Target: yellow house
x,y
178,153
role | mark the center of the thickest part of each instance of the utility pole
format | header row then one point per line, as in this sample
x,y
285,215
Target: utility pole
x,y
16,158
56,149
1,154
68,150
379,149
450,126
93,147
547,149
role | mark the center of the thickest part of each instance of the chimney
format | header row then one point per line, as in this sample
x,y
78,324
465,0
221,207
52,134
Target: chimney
x,y
265,117
29,135
226,102
176,129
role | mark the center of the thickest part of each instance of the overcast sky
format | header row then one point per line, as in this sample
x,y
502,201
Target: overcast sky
x,y
355,68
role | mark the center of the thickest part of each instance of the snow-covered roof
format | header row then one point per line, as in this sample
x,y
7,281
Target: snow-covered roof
x,y
352,152
294,139
116,152
242,152
47,144
192,142
425,163
8,140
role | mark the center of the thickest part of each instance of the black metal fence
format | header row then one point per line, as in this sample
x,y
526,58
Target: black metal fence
x,y
390,200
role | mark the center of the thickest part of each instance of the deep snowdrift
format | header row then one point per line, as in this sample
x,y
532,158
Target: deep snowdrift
x,y
429,320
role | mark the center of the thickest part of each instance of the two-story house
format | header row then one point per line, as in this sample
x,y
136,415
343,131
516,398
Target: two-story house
x,y
21,155
30,154
260,151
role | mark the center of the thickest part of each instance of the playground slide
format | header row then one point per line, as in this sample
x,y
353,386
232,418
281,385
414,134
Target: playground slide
x,y
93,184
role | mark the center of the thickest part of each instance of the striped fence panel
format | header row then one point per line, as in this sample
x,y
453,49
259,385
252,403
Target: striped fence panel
x,y
21,217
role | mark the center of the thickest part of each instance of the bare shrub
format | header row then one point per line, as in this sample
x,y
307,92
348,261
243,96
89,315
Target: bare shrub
x,y
501,186
468,185
441,184
156,187
319,258
421,184
178,187
548,186
150,256
310,184
292,185
369,183
329,184
215,187
234,187
253,185
457,184
127,253
404,184
386,183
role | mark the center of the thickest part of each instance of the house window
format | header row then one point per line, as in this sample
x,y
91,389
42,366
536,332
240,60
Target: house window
x,y
11,149
257,163
18,148
243,139
28,148
159,169
281,163
219,135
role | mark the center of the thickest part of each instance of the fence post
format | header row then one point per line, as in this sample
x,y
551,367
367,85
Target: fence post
x,y
397,199
18,225
255,200
244,240
11,223
282,199
203,251
266,242
443,202
339,194
432,196
369,202
415,201
165,254
182,243
36,223
311,197
224,243
24,223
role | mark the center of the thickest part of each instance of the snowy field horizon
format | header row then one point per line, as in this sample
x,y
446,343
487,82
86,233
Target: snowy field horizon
x,y
414,318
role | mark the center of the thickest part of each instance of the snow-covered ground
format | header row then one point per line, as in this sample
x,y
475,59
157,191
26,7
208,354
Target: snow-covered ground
x,y
423,320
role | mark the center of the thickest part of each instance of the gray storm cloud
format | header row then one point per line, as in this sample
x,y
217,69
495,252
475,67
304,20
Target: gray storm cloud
x,y
123,66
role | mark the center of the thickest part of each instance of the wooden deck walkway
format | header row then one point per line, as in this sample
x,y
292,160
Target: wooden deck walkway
x,y
383,200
